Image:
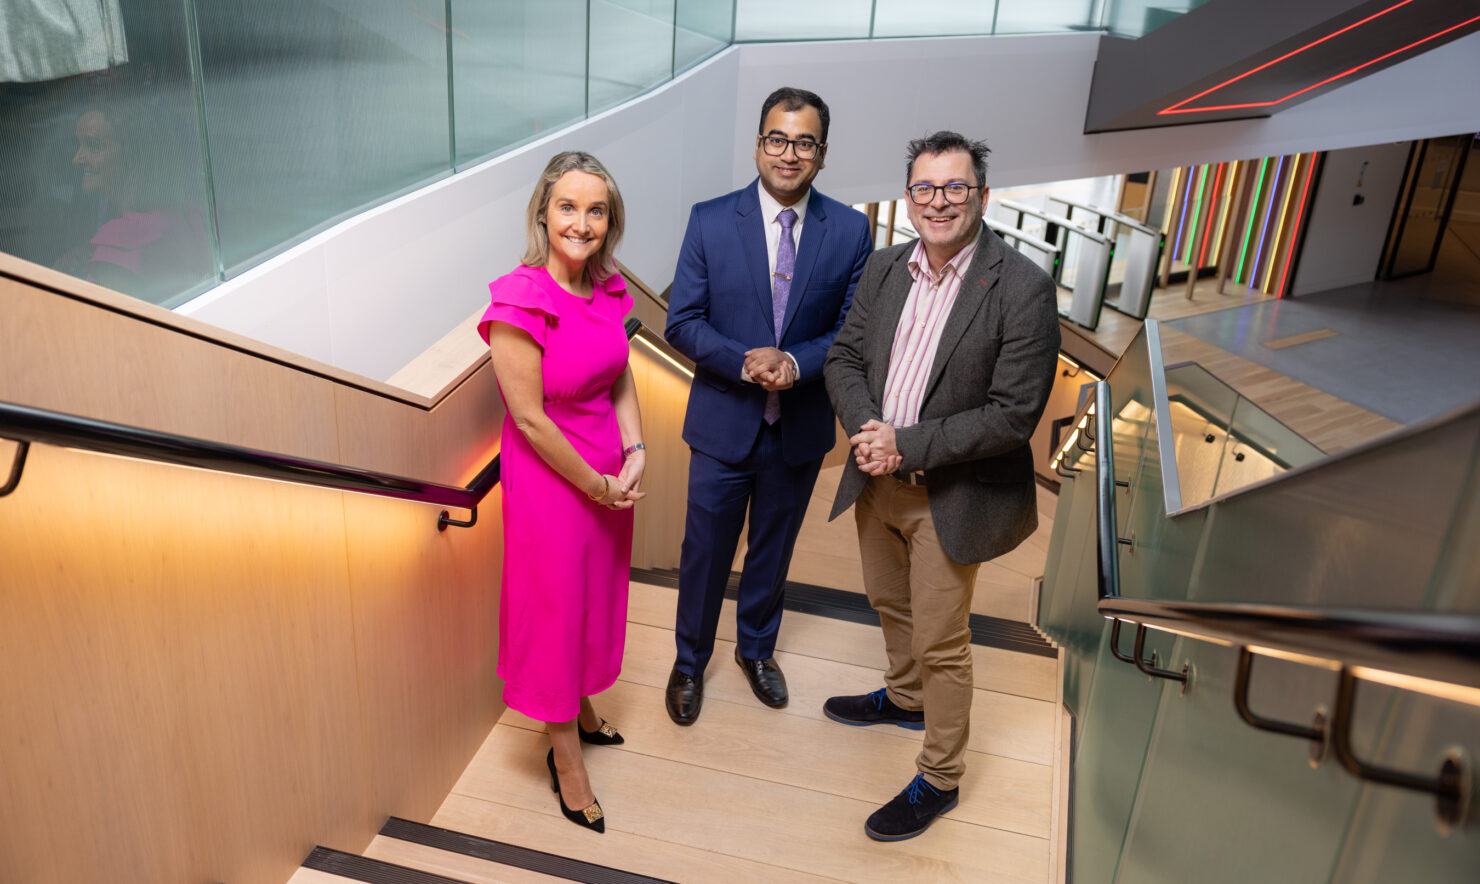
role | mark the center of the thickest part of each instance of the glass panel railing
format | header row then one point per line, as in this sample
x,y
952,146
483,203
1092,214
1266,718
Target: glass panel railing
x,y
1040,16
631,49
939,18
282,168
702,28
1386,526
1223,441
767,20
180,142
1137,18
518,71
101,167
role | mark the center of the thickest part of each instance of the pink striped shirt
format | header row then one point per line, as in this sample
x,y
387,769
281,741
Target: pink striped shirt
x,y
918,336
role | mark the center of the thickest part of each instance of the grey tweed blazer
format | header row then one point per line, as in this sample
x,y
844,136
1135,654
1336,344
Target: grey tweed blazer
x,y
987,388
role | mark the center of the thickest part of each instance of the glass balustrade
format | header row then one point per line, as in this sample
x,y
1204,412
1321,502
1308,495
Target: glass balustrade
x,y
1390,525
159,147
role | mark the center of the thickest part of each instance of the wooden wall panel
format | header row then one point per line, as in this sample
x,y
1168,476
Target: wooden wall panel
x,y
179,688
206,675
663,393
431,652
70,356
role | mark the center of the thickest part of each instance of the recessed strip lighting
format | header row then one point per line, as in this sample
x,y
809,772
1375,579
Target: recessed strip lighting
x,y
1274,183
1227,210
1299,213
1279,228
1202,254
1238,274
1179,109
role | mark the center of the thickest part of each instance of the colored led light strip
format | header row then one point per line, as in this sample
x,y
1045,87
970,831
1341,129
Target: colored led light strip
x,y
1295,231
1238,273
1227,210
1202,254
1192,234
1166,219
1274,183
1182,218
1179,109
1279,228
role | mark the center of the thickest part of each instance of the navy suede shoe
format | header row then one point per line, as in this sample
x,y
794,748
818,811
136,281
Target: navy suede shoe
x,y
872,708
911,811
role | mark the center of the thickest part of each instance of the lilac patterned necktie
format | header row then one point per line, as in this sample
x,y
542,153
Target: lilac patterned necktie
x,y
786,264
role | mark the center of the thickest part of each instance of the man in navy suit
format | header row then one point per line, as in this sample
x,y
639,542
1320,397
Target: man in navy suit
x,y
764,281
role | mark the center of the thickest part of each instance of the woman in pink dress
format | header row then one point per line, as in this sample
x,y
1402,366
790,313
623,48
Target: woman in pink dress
x,y
572,463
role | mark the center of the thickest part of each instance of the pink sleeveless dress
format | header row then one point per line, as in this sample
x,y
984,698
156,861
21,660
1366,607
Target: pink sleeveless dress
x,y
563,611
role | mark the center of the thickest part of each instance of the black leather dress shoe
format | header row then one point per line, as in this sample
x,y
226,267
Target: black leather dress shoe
x,y
683,698
765,679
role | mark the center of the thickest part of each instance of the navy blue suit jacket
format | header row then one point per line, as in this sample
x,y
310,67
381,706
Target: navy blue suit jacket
x,y
720,306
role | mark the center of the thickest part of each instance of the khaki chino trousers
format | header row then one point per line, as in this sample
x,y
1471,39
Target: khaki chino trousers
x,y
923,598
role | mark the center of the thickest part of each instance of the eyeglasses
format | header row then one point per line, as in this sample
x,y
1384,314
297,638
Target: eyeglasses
x,y
956,192
775,146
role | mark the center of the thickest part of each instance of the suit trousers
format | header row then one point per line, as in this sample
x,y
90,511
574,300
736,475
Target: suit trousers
x,y
776,495
923,599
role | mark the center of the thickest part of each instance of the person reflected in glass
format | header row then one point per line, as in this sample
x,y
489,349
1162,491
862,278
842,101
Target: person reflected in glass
x,y
150,243
572,467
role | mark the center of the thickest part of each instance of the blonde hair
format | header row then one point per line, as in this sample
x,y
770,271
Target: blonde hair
x,y
602,265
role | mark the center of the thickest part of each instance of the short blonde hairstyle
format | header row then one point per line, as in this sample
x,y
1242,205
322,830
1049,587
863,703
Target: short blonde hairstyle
x,y
602,265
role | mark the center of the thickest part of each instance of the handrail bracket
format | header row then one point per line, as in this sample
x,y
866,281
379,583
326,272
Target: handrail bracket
x,y
17,467
1146,664
1451,787
446,519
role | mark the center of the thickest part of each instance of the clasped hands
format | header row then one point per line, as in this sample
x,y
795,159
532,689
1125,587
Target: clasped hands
x,y
769,367
874,449
622,489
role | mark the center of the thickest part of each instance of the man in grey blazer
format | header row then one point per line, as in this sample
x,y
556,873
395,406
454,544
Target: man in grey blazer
x,y
939,374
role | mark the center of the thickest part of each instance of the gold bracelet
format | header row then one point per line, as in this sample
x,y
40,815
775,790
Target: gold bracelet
x,y
606,487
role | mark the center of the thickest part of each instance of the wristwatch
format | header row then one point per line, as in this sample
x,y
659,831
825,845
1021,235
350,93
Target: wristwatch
x,y
636,446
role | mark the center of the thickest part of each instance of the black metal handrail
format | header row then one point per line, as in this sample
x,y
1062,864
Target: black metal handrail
x,y
35,425
1431,652
1436,647
26,425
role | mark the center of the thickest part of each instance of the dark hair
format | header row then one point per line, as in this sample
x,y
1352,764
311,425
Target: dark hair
x,y
792,99
946,141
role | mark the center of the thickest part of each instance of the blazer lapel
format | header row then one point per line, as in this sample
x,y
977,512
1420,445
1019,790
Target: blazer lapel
x,y
750,230
814,233
979,279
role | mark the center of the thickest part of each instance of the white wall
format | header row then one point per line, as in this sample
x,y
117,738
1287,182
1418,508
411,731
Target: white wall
x,y
1343,241
371,293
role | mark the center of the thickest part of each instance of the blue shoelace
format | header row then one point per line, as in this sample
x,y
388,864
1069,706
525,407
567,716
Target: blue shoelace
x,y
879,697
913,789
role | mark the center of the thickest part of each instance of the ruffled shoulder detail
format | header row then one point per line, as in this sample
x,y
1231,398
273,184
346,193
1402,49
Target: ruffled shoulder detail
x,y
616,286
522,298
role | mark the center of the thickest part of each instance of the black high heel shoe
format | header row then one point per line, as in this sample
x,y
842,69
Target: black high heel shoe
x,y
589,818
605,735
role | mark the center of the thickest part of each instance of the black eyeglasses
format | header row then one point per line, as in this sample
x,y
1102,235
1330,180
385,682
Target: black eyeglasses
x,y
956,192
775,146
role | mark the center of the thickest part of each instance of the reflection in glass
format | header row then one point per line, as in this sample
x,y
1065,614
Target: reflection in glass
x,y
518,71
100,168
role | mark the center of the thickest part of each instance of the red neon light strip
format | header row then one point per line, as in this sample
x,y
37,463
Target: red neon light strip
x,y
1176,108
1295,233
1189,110
1212,203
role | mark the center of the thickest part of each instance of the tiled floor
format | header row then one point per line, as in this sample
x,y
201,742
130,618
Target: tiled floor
x,y
1406,349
